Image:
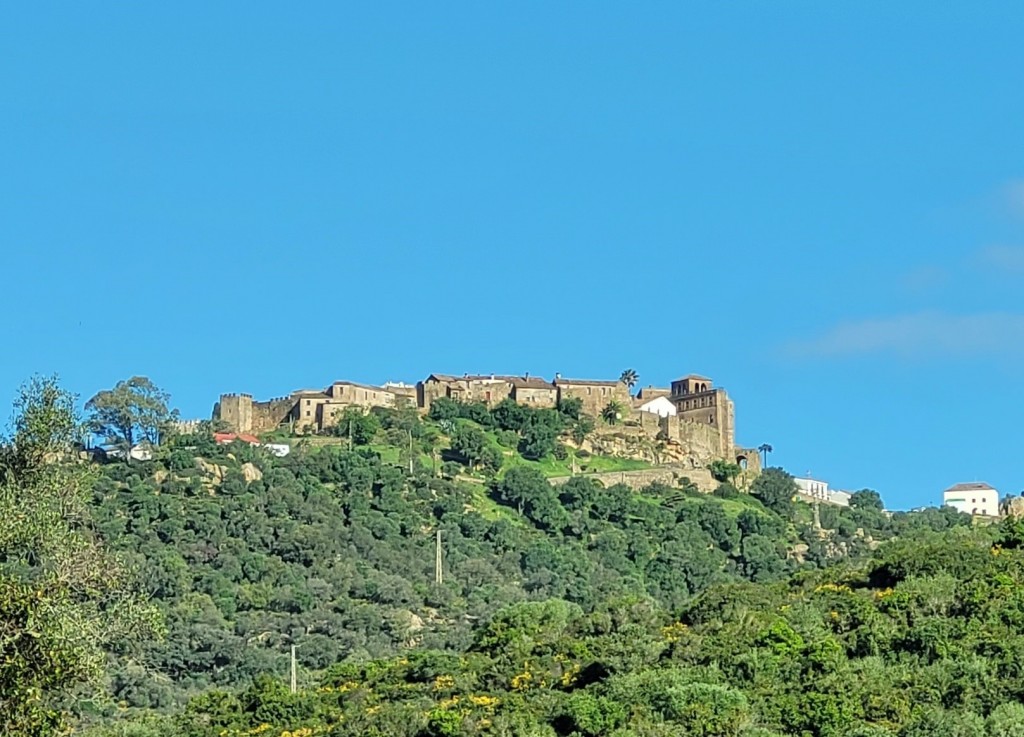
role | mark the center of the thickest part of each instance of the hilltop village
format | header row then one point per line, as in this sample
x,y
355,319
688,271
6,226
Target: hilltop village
x,y
692,420
682,428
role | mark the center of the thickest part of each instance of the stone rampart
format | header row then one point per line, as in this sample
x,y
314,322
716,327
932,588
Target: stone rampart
x,y
636,480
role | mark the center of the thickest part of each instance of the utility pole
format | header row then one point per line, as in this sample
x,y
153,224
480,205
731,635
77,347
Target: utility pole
x,y
410,452
350,433
438,575
295,680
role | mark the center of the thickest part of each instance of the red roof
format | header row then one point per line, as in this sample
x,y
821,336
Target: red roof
x,y
229,437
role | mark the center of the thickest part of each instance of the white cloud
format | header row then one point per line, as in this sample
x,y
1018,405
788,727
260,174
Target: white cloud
x,y
1004,259
924,334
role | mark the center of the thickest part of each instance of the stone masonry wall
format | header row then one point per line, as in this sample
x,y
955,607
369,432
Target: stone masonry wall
x,y
269,415
669,475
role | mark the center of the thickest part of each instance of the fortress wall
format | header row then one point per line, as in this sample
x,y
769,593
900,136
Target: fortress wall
x,y
269,415
637,480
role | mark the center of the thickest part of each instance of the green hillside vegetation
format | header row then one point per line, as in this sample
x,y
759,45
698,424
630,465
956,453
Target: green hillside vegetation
x,y
470,441
923,639
563,610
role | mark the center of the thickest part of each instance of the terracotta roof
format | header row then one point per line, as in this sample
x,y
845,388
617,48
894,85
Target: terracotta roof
x,y
441,377
693,376
230,437
588,382
531,382
971,486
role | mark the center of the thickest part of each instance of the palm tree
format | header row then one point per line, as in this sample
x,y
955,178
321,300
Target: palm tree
x,y
764,449
629,377
612,412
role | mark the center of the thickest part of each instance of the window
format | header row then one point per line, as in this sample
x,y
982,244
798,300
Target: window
x,y
711,419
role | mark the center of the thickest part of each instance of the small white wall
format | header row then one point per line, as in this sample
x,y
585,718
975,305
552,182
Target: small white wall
x,y
660,406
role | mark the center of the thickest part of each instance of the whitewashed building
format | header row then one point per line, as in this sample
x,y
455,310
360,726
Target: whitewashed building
x,y
839,498
812,489
974,498
661,406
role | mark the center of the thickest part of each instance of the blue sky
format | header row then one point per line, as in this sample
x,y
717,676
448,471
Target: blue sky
x,y
819,205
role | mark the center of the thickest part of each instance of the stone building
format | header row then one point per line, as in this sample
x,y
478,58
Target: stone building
x,y
486,388
533,392
595,395
404,393
648,393
242,415
698,401
302,410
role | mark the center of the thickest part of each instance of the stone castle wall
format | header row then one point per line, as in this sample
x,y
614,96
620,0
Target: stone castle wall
x,y
668,475
236,411
269,415
243,415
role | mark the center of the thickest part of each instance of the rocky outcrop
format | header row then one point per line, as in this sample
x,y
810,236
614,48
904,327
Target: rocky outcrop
x,y
1012,507
250,473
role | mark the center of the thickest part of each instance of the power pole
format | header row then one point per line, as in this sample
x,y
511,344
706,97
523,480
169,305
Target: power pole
x,y
295,680
438,575
350,433
410,452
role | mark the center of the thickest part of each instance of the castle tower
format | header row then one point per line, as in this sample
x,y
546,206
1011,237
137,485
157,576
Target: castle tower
x,y
236,411
698,400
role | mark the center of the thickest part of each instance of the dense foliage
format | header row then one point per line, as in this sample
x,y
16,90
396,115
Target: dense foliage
x,y
923,639
564,610
63,597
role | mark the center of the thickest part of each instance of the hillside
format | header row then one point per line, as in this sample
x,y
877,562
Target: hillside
x,y
910,641
332,550
548,590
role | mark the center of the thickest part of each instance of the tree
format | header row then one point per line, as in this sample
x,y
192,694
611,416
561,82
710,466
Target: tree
x,y
510,415
538,440
612,412
63,597
530,493
540,433
134,410
359,426
470,443
867,499
443,408
44,420
571,407
764,449
776,489
583,426
724,471
629,377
